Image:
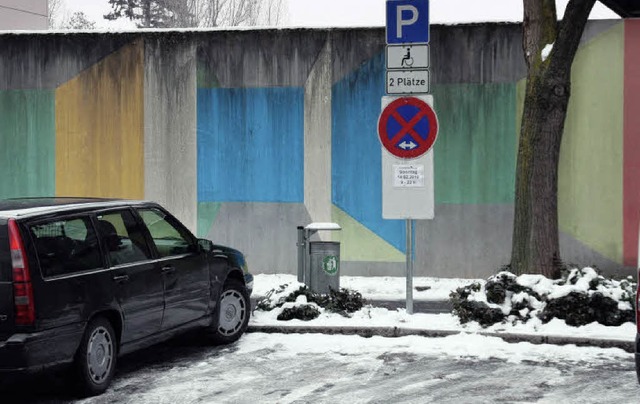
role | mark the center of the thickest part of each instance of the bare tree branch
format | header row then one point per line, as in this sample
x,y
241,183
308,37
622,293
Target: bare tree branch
x,y
54,18
198,13
576,14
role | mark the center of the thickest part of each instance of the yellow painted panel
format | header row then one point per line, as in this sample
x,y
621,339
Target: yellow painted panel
x,y
590,189
100,128
357,243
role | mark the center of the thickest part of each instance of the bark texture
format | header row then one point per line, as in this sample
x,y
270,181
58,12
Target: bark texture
x,y
535,246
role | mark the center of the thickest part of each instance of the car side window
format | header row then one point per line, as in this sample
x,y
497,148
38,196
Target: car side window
x,y
65,246
122,237
169,238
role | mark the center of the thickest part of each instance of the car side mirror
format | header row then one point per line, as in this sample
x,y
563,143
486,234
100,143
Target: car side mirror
x,y
205,245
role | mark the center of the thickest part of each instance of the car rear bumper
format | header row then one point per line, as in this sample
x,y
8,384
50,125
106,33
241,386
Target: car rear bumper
x,y
30,352
248,281
638,356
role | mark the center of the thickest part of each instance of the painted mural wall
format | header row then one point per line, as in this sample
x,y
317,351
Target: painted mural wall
x,y
248,134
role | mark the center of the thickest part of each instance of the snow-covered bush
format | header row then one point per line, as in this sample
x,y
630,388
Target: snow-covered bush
x,y
580,297
297,301
301,312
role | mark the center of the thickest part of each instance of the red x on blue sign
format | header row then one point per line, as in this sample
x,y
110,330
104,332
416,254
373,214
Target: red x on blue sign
x,y
408,127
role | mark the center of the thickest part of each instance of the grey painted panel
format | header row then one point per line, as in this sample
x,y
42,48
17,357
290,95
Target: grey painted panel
x,y
469,241
38,61
352,48
265,232
263,58
170,154
359,268
457,251
477,53
576,253
596,27
474,241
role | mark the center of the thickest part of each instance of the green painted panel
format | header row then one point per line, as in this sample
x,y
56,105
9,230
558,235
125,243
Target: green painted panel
x,y
207,213
475,151
590,188
206,77
27,143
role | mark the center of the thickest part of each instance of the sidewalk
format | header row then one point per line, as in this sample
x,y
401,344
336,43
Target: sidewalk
x,y
386,316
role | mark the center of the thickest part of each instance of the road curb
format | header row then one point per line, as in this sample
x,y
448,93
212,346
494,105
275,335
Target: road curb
x,y
390,332
393,332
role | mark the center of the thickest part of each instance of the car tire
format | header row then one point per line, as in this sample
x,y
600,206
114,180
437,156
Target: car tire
x,y
232,313
95,361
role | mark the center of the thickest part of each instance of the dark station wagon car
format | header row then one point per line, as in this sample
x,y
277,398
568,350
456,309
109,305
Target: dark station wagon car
x,y
83,281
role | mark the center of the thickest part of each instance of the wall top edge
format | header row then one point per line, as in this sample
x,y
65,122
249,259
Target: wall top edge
x,y
152,31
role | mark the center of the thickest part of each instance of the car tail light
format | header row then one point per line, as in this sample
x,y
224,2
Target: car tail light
x,y
25,313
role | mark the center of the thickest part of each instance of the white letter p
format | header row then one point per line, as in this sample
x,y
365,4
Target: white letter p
x,y
400,22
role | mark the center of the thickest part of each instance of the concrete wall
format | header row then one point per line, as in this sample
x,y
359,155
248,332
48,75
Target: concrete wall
x,y
170,152
247,134
317,139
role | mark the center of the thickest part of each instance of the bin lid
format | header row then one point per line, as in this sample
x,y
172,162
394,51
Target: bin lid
x,y
323,226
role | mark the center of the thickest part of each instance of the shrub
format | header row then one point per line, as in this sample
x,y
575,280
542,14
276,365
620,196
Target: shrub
x,y
580,297
304,312
343,301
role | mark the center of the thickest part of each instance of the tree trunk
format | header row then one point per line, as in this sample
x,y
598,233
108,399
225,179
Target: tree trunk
x,y
147,14
535,246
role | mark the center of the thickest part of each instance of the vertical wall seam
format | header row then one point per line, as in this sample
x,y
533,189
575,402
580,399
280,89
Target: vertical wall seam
x,y
631,149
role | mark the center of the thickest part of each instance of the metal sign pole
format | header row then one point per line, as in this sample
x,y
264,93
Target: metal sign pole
x,y
409,226
301,253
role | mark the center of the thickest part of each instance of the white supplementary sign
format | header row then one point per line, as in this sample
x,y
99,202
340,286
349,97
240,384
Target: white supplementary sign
x,y
407,81
408,176
407,184
407,56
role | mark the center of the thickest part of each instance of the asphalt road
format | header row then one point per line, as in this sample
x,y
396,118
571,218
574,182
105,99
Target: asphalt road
x,y
188,370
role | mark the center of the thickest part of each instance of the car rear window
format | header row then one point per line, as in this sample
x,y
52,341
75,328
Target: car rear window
x,y
66,246
5,254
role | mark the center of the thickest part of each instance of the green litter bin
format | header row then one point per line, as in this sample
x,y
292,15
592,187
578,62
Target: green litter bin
x,y
324,266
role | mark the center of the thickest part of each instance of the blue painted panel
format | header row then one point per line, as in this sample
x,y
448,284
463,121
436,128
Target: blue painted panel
x,y
356,151
251,145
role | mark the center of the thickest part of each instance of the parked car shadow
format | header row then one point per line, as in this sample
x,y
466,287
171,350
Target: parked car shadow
x,y
57,386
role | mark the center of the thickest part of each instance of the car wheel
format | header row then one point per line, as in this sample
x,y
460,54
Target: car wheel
x,y
95,361
232,314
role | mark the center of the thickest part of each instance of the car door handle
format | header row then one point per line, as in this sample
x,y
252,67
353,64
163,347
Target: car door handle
x,y
168,269
121,278
219,254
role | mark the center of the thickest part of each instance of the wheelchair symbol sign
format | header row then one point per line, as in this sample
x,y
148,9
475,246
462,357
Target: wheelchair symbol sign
x,y
407,57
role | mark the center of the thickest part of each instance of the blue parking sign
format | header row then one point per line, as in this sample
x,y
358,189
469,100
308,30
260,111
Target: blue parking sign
x,y
407,21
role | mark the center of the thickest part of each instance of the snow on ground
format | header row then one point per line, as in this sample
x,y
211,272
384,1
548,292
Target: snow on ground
x,y
460,345
375,287
393,288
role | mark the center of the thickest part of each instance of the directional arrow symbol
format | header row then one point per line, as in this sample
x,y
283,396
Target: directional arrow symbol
x,y
407,145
